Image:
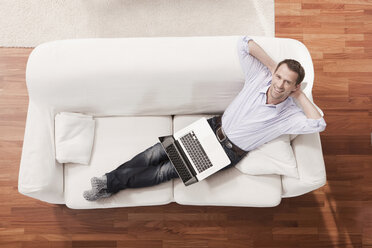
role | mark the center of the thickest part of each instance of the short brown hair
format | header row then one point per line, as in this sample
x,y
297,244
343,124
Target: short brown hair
x,y
295,66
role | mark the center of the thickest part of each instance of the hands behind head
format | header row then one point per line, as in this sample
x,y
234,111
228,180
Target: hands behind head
x,y
297,92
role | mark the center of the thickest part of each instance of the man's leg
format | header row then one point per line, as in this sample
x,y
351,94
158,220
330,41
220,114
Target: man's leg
x,y
147,168
153,175
119,178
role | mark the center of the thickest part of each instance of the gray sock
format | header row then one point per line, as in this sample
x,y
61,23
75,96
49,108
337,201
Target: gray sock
x,y
99,189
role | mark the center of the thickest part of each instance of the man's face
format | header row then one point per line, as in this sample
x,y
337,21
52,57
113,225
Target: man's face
x,y
283,83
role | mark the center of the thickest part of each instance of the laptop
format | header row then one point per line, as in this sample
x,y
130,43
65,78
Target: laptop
x,y
195,152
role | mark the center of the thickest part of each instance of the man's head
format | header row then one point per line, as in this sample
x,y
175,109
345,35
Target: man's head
x,y
287,77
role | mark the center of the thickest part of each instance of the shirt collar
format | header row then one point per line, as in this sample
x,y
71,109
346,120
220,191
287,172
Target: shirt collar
x,y
278,106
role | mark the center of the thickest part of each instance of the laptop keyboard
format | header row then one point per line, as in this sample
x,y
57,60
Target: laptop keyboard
x,y
196,152
178,163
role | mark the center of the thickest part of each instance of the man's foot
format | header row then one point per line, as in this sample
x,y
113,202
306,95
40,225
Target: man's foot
x,y
99,189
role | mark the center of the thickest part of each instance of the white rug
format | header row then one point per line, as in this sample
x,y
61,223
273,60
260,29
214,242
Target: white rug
x,y
27,23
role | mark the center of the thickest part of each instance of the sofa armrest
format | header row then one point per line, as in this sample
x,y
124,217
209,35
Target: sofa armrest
x,y
40,175
310,163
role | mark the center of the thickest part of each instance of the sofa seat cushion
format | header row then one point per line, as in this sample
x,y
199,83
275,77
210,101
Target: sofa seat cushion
x,y
228,187
117,140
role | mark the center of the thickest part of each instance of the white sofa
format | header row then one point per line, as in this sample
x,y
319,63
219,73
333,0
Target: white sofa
x,y
138,89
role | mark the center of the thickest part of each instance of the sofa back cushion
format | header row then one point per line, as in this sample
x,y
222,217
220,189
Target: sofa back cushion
x,y
146,76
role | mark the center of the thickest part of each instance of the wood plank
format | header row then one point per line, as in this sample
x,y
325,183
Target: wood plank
x,y
350,65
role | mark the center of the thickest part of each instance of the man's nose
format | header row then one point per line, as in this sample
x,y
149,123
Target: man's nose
x,y
281,83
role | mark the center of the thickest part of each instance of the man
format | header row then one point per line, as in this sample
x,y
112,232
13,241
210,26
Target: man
x,y
261,112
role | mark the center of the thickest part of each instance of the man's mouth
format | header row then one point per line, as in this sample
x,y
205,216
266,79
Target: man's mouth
x,y
277,91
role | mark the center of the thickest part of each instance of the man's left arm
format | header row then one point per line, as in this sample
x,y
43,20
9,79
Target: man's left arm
x,y
309,109
310,121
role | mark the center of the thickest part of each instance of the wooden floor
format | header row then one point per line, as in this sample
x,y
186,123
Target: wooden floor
x,y
338,34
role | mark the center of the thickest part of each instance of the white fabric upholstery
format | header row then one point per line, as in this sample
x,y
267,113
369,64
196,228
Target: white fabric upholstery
x,y
153,77
222,188
136,76
40,175
310,165
74,135
117,140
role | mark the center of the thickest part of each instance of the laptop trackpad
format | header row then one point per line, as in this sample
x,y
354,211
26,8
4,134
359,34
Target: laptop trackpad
x,y
214,150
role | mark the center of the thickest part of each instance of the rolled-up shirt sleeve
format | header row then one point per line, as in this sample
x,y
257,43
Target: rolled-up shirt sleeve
x,y
300,124
249,64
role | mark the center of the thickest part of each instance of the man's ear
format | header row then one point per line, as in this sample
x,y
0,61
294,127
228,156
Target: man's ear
x,y
297,86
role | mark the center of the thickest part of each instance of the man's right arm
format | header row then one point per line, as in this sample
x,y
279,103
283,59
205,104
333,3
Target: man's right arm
x,y
257,51
253,59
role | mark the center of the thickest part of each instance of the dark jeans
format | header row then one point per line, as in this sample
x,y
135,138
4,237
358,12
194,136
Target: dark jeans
x,y
152,167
